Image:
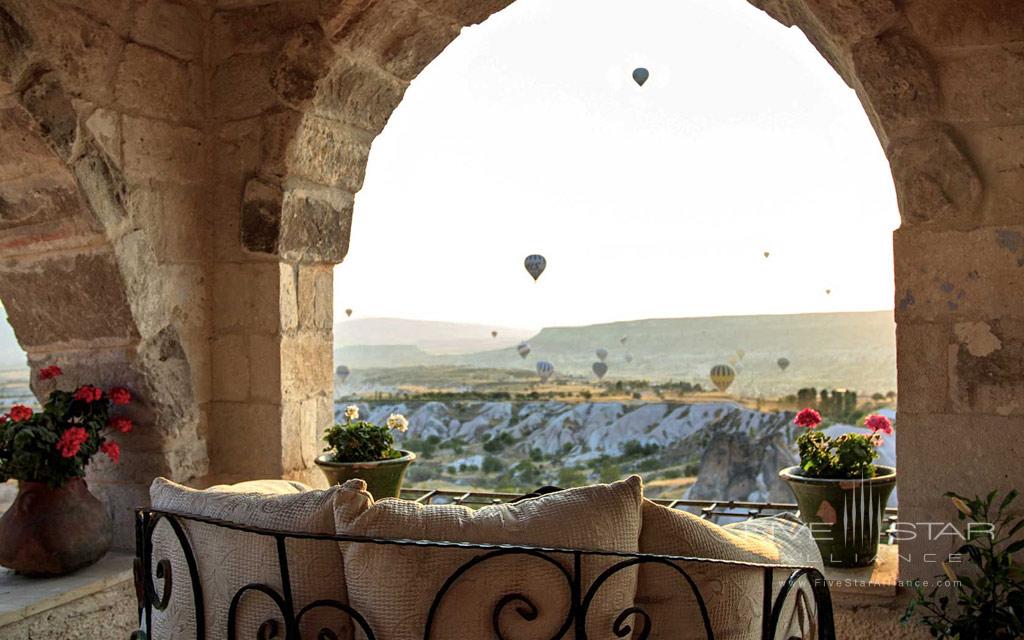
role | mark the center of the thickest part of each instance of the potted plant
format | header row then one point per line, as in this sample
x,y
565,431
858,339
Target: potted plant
x,y
55,525
360,449
841,492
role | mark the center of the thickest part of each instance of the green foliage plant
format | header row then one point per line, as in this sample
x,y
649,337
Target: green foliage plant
x,y
360,441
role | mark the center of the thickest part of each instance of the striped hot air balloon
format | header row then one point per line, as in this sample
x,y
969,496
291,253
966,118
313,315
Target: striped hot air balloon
x,y
523,349
600,368
722,376
535,265
544,370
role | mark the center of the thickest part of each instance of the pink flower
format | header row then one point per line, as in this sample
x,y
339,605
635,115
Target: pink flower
x,y
807,418
48,373
20,413
71,441
89,393
112,450
120,395
120,423
876,439
878,423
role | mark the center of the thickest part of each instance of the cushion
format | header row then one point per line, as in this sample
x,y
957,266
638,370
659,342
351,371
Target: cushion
x,y
394,586
732,594
229,560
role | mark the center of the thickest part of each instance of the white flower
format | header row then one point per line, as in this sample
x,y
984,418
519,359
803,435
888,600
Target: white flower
x,y
351,412
398,422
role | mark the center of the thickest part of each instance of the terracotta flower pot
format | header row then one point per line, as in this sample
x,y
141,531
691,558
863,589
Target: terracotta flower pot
x,y
845,516
52,531
383,477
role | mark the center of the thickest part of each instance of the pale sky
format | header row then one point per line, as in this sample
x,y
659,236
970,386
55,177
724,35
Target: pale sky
x,y
528,135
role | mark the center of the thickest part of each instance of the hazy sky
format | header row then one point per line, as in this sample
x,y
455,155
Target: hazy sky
x,y
527,135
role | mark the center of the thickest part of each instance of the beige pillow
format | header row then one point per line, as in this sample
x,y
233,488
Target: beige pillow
x,y
229,560
394,587
732,594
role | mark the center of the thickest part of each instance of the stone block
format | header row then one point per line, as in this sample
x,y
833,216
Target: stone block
x,y
245,298
316,297
922,371
329,153
307,365
264,368
302,62
986,368
934,178
65,299
102,186
315,225
50,108
898,78
465,12
237,151
301,431
155,150
953,23
158,85
230,367
359,94
289,300
245,439
852,20
241,86
104,125
261,216
116,14
975,86
258,27
14,45
957,274
278,131
176,29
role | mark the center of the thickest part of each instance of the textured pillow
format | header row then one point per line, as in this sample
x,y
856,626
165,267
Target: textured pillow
x,y
229,560
732,594
394,587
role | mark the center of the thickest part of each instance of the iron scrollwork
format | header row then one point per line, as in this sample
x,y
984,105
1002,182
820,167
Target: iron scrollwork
x,y
632,622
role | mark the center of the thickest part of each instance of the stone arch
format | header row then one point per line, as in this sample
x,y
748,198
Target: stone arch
x,y
79,277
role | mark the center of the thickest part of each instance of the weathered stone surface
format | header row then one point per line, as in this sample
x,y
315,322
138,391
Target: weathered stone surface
x,y
14,43
306,364
975,88
935,180
328,153
245,298
465,12
996,150
922,373
245,439
315,225
303,61
104,125
316,297
952,23
176,29
155,150
158,85
986,368
102,185
278,130
231,367
51,109
264,368
241,86
898,78
261,216
62,300
852,20
359,95
398,35
259,27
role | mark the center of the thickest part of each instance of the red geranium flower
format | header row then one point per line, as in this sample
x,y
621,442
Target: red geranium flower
x,y
89,393
807,418
3,419
48,373
120,423
877,423
20,413
71,441
120,395
112,450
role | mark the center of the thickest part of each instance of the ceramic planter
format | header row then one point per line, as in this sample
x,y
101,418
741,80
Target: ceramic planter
x,y
383,477
845,516
52,531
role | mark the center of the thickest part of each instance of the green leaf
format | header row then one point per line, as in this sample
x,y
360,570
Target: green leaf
x,y
1015,547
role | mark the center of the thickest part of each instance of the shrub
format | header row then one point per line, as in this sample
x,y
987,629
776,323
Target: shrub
x,y
361,441
492,464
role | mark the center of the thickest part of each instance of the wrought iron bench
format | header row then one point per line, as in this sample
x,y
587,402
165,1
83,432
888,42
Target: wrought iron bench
x,y
633,622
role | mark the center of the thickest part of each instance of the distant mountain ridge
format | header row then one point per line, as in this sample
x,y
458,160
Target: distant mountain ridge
x,y
429,336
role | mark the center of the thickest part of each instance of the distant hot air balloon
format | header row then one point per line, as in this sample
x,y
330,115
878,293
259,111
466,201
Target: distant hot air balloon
x,y
623,339
722,376
535,265
600,368
602,354
828,292
544,370
523,349
494,334
766,254
342,372
640,75
348,312
629,358
783,363
740,353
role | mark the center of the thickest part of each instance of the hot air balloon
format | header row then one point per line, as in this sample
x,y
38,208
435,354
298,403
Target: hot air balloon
x,y
623,339
523,349
828,292
766,254
535,265
342,372
600,368
348,312
640,75
602,354
494,334
544,370
740,353
783,363
722,376
629,358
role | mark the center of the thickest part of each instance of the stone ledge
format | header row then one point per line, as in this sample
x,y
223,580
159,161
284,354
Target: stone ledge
x,y
22,597
866,585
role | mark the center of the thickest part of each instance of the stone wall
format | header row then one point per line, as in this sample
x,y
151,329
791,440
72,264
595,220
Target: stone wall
x,y
184,172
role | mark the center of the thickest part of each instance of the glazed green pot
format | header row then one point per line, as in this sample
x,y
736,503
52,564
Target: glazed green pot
x,y
383,477
845,516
